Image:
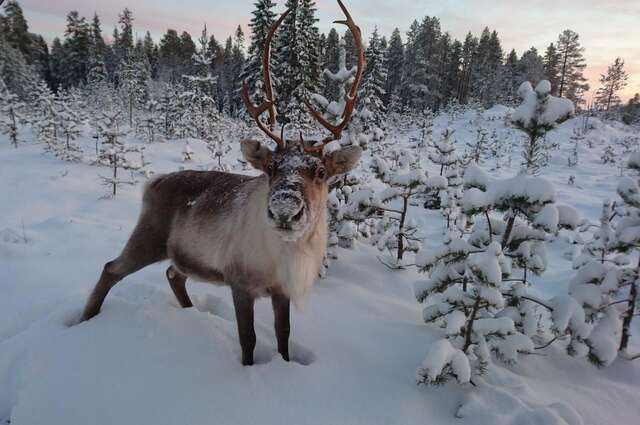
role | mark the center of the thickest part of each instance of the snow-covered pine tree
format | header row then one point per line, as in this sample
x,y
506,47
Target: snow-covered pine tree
x,y
631,111
350,207
571,82
496,148
11,113
444,151
552,64
605,287
477,149
187,153
611,83
70,124
297,73
530,67
394,61
151,122
444,155
373,82
218,149
469,291
341,79
44,115
538,113
199,112
133,77
330,60
577,138
261,22
114,153
405,180
167,108
609,155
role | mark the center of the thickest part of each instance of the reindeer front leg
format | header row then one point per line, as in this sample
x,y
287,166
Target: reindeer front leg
x,y
280,305
243,303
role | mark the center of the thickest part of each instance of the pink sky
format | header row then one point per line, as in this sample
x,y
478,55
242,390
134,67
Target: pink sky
x,y
607,28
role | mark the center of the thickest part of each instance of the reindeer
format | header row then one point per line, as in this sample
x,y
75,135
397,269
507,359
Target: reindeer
x,y
261,236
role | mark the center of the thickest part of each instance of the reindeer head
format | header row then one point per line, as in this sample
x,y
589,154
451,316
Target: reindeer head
x,y
298,172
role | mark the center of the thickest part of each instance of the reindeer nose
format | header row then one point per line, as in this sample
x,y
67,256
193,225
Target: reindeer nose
x,y
286,208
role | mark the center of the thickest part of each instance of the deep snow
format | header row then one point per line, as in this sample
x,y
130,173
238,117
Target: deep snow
x,y
355,346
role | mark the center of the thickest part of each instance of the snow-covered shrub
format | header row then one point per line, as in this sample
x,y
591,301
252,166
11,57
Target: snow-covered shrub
x,y
538,113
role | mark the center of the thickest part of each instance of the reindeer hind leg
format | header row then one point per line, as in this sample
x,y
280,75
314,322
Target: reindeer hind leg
x,y
143,248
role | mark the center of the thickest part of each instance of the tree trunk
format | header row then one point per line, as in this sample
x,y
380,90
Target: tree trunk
x,y
628,315
507,232
14,128
469,329
563,73
403,216
115,176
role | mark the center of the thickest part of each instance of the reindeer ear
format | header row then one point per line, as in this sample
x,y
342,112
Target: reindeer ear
x,y
343,160
256,154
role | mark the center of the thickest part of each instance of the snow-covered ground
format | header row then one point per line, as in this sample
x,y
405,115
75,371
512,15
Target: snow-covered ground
x,y
355,346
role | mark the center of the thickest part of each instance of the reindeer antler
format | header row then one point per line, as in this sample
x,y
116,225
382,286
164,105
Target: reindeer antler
x,y
269,102
351,97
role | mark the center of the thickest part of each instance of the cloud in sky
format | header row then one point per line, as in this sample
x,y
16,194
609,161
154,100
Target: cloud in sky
x,y
607,28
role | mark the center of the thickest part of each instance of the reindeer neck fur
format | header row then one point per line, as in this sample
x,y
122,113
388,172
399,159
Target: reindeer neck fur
x,y
235,238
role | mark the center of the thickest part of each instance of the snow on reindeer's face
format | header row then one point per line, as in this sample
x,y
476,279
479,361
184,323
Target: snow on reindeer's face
x,y
297,183
297,188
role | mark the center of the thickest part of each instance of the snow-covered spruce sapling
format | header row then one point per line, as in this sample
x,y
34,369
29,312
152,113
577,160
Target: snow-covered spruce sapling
x,y
596,332
425,125
577,139
187,153
405,180
151,122
113,152
477,287
70,124
496,149
444,155
11,113
450,200
628,143
44,115
477,149
538,113
117,155
608,155
332,109
350,206
606,283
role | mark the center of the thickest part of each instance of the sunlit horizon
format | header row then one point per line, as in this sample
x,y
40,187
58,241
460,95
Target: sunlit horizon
x,y
606,30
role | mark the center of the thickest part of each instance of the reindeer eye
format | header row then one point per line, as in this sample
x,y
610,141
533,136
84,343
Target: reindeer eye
x,y
321,173
270,170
